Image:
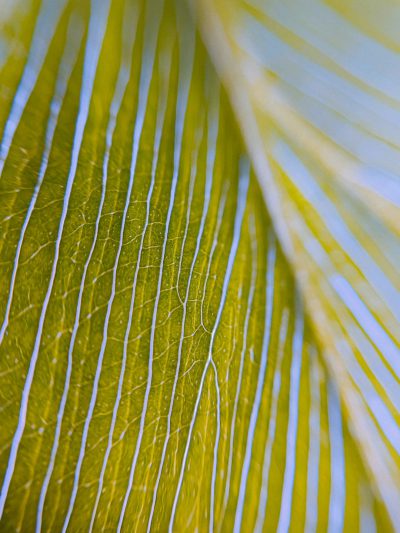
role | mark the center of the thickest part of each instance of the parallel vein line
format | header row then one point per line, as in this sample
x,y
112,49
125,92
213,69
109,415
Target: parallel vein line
x,y
46,25
337,500
314,447
291,437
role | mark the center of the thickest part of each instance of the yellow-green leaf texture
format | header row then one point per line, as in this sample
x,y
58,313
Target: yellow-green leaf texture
x,y
199,312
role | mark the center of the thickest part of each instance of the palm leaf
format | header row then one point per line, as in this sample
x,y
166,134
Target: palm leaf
x,y
173,355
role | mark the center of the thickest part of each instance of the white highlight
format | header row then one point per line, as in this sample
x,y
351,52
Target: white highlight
x,y
302,178
291,436
367,518
74,38
368,322
46,25
338,479
314,445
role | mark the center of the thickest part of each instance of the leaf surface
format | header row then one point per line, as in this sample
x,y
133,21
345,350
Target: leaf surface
x,y
158,369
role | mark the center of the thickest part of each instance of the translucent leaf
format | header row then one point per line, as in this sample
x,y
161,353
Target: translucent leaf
x,y
158,370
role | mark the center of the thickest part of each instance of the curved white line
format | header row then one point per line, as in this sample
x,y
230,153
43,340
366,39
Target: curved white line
x,y
46,25
291,435
337,500
314,445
